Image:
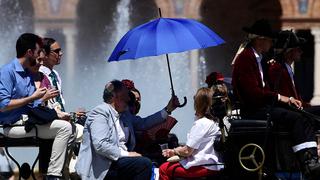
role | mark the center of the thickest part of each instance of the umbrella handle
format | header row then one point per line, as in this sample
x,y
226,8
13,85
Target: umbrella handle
x,y
184,102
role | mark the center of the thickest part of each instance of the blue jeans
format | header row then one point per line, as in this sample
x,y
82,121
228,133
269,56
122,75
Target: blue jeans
x,y
127,168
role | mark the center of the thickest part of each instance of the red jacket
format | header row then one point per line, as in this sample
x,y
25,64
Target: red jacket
x,y
279,76
247,83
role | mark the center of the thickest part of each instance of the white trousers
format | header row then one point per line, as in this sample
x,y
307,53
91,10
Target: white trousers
x,y
59,130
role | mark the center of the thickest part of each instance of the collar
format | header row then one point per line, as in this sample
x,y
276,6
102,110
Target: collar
x,y
289,67
257,55
17,66
45,70
113,111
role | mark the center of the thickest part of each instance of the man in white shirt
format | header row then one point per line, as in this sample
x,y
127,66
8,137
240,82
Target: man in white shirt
x,y
53,57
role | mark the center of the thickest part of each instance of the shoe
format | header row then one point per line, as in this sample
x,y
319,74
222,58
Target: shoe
x,y
310,164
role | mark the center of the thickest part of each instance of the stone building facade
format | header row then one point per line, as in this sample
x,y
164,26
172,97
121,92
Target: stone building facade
x,y
226,17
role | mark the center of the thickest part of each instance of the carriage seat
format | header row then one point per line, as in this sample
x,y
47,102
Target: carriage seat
x,y
255,126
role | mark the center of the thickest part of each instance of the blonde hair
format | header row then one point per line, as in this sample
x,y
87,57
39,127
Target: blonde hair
x,y
203,102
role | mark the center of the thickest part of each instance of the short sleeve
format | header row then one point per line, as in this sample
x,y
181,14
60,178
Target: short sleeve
x,y
198,134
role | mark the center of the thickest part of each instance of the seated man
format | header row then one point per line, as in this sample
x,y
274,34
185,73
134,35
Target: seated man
x,y
18,94
103,149
257,100
281,76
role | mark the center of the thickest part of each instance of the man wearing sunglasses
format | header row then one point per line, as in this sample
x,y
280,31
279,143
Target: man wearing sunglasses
x,y
53,57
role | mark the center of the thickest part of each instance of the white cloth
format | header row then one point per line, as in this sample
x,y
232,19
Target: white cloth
x,y
259,58
201,138
46,71
290,71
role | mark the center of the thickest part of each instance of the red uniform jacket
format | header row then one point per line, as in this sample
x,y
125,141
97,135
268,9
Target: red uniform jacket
x,y
280,81
247,83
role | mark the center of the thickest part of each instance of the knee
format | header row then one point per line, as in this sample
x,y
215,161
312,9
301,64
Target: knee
x,y
144,162
66,128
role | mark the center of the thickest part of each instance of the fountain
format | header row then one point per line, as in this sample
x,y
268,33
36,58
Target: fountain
x,y
150,74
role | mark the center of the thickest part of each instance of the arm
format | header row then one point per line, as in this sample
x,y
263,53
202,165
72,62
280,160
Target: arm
x,y
156,118
200,133
147,122
184,151
6,88
16,103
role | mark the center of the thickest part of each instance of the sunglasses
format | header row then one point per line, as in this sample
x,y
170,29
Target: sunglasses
x,y
57,51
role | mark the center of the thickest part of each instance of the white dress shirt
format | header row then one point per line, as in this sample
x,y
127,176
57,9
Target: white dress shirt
x,y
259,58
123,133
46,71
290,71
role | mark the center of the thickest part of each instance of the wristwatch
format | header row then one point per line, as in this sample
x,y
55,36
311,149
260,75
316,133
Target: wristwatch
x,y
166,109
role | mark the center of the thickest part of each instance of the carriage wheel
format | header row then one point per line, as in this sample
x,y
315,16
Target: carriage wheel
x,y
250,159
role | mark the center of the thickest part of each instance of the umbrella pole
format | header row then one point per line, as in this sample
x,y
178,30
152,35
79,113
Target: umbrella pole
x,y
171,83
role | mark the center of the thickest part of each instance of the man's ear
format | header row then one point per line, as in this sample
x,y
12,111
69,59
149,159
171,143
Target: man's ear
x,y
29,52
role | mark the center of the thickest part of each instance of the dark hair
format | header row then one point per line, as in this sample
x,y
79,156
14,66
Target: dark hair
x,y
27,41
47,42
110,89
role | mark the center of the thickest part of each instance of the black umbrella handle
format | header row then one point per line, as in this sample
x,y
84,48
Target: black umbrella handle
x,y
184,102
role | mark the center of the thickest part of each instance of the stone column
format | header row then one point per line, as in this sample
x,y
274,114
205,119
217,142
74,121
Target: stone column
x,y
316,92
69,54
69,58
194,66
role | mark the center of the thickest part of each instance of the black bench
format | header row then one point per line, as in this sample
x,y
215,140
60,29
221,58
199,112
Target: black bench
x,y
6,142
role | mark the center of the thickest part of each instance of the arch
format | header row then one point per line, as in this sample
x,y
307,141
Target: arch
x,y
228,24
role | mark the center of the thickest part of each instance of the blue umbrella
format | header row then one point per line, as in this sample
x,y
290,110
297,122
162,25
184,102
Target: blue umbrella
x,y
163,36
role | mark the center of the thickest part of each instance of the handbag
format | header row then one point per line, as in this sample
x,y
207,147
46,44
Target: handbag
x,y
39,115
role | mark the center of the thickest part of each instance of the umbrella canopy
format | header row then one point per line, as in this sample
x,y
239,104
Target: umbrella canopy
x,y
163,36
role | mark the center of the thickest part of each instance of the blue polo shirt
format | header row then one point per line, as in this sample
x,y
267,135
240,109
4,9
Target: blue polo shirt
x,y
15,83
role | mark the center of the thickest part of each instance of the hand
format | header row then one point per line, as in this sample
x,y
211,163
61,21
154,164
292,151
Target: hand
x,y
134,154
168,153
80,113
173,104
295,102
51,93
39,93
291,101
62,115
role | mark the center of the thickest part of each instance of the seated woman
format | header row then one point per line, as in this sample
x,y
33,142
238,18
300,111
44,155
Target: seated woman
x,y
157,132
199,148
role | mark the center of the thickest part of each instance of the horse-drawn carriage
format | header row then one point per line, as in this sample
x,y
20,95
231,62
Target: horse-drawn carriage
x,y
253,148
